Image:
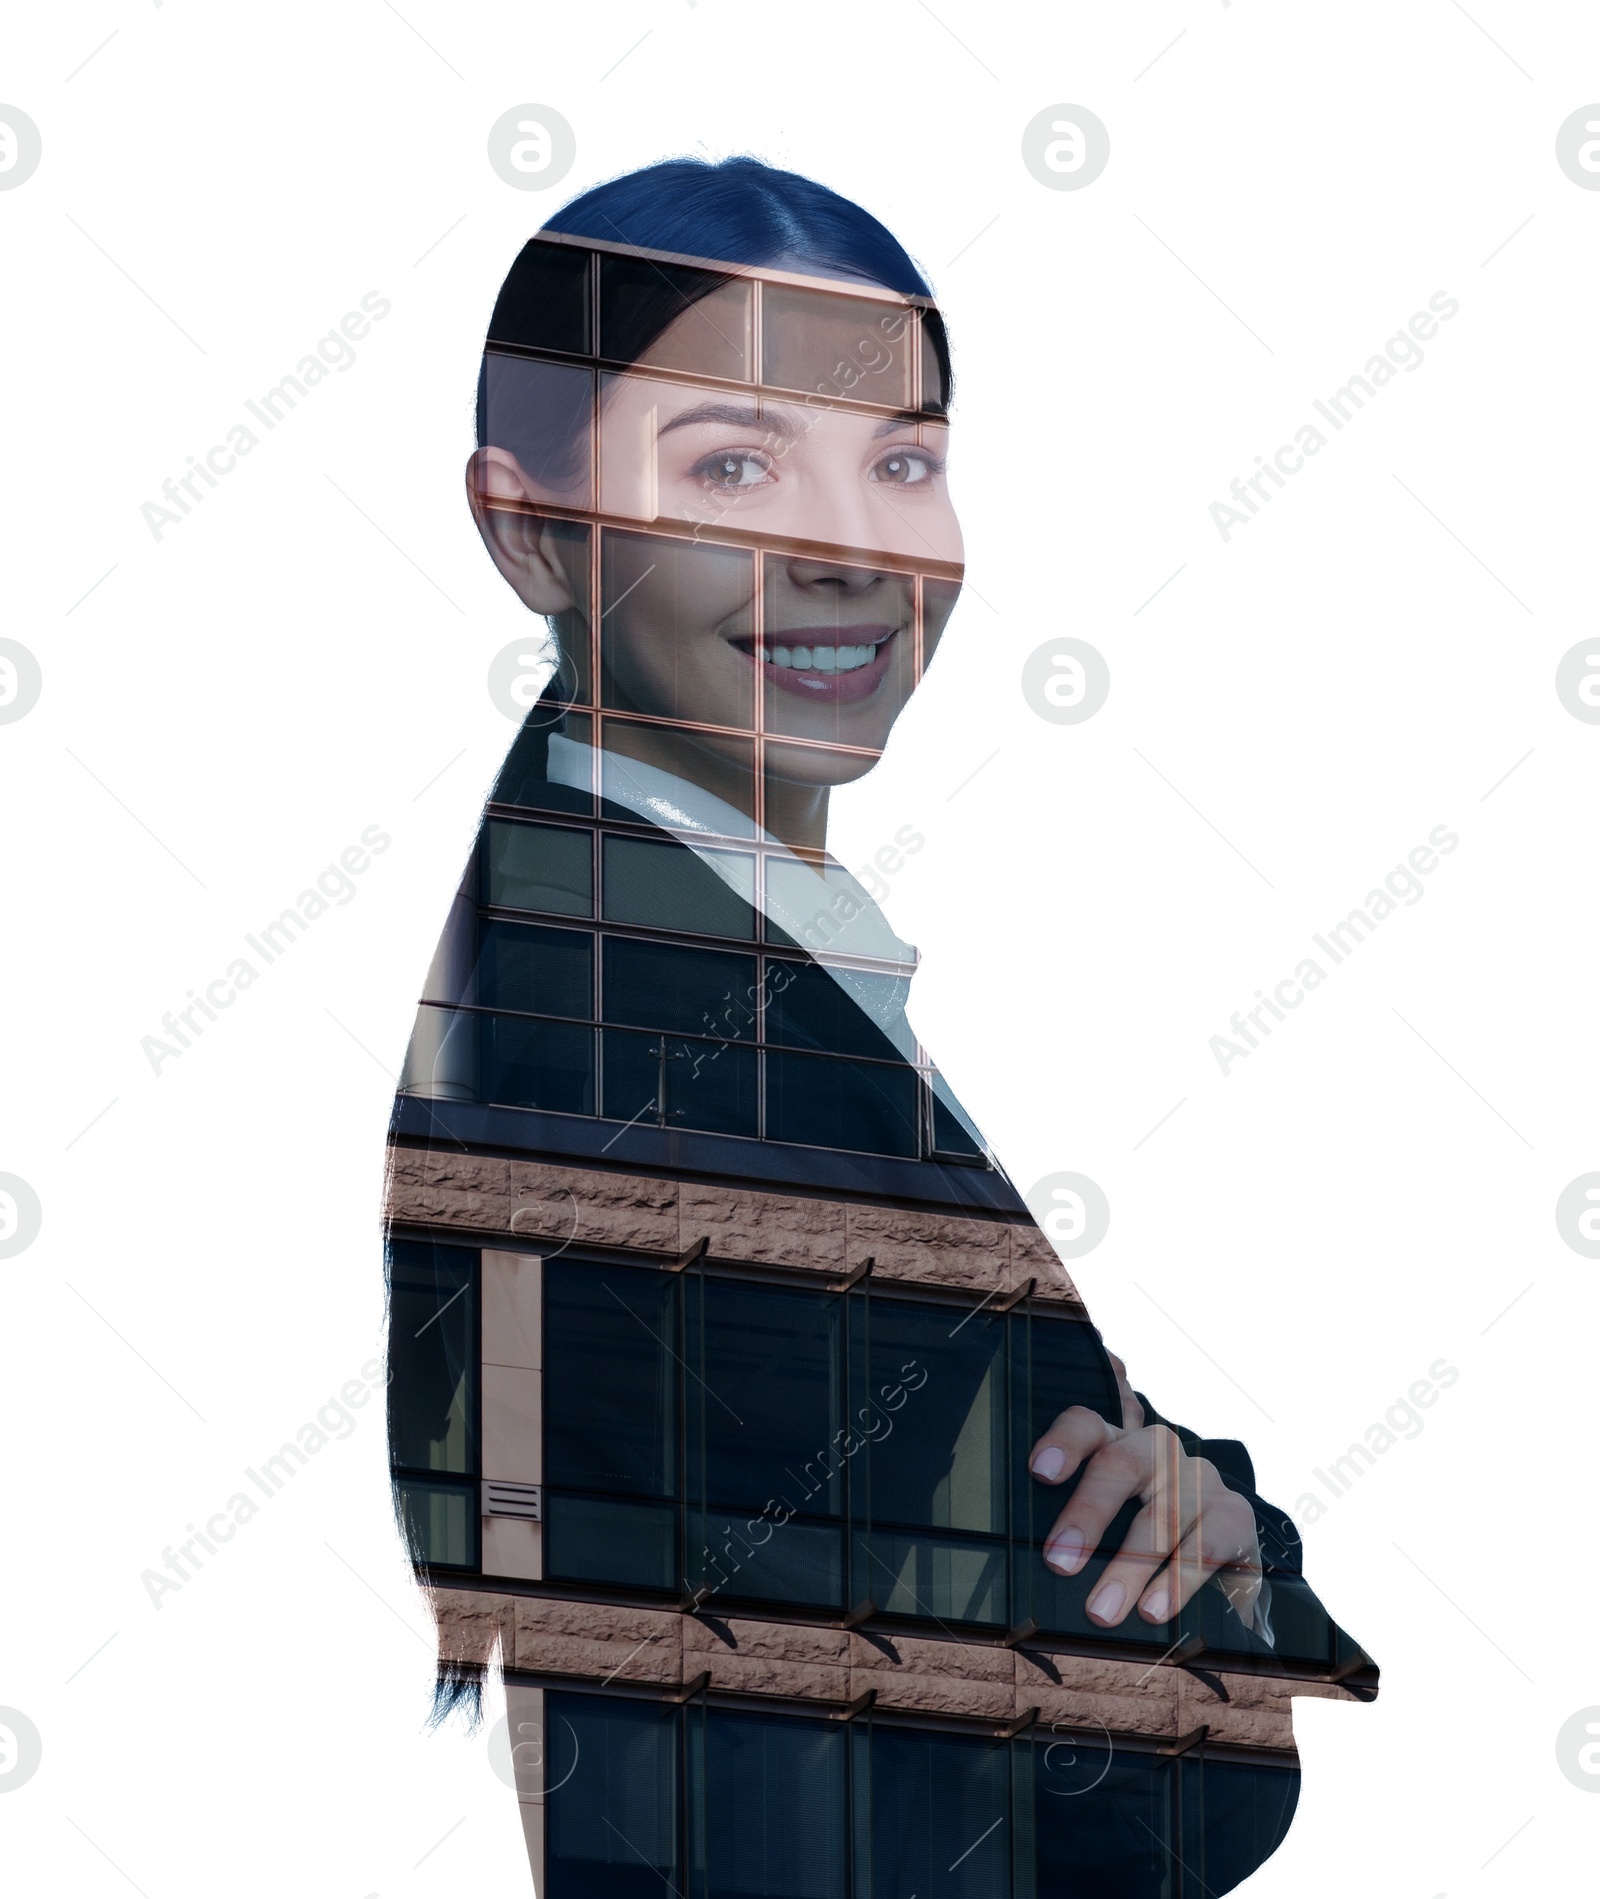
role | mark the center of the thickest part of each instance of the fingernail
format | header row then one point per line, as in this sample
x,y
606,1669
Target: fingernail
x,y
1065,1551
1158,1606
1049,1464
1107,1606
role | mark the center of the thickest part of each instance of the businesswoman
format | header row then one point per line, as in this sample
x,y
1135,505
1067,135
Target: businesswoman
x,y
713,429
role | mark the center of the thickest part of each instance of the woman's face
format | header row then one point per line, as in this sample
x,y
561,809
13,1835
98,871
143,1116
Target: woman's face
x,y
835,657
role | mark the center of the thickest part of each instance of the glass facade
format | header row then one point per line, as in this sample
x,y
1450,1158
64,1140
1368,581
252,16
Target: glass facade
x,y
788,1449
718,1803
620,975
819,1450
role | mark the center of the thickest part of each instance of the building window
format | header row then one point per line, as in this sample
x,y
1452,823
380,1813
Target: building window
x,y
942,1814
611,1408
538,867
433,1400
774,1795
695,1083
619,1834
654,884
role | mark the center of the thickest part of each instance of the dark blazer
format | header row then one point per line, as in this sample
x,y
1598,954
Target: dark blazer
x,y
850,1104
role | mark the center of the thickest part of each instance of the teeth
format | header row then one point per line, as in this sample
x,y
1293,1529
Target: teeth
x,y
822,659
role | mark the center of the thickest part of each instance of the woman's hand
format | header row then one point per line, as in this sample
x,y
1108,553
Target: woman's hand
x,y
1191,1526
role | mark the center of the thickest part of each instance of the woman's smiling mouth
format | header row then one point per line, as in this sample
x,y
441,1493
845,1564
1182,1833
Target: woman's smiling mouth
x,y
836,664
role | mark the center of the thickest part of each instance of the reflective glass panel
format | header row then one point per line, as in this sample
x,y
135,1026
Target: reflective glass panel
x,y
612,1808
610,1379
538,867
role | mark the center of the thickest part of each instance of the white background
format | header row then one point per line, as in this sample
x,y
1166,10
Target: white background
x,y
229,707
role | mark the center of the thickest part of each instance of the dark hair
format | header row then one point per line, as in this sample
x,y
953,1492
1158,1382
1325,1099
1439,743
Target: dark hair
x,y
458,1689
738,211
741,212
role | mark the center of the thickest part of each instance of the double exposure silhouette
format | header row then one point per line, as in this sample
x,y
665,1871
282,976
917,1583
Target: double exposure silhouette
x,y
739,1407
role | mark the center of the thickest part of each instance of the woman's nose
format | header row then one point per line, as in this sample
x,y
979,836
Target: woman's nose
x,y
820,575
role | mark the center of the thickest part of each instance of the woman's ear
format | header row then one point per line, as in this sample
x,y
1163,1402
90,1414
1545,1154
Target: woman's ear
x,y
520,545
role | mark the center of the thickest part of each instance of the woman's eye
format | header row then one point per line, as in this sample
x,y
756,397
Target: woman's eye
x,y
734,468
907,467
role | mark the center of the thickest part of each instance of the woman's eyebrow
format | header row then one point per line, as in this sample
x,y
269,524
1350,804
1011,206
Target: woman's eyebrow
x,y
739,415
774,421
